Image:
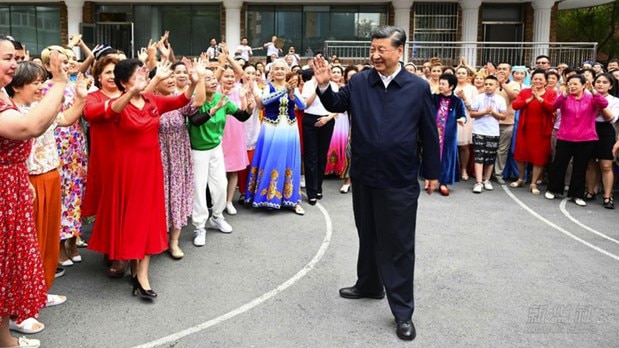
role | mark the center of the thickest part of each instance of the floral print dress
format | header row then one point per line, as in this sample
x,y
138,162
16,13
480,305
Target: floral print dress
x,y
22,283
72,150
177,166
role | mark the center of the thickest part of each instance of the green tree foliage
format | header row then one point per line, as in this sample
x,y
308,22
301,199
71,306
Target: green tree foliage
x,y
594,24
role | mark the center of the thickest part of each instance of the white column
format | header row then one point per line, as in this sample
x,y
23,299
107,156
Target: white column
x,y
402,20
470,22
74,18
541,25
233,23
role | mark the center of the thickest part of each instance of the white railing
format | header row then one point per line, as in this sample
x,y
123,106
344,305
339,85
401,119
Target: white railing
x,y
477,53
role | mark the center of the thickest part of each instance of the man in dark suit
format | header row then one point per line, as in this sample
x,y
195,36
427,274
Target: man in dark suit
x,y
391,113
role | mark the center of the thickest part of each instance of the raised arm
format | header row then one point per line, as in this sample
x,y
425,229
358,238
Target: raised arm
x,y
117,106
68,117
14,125
236,67
163,72
76,40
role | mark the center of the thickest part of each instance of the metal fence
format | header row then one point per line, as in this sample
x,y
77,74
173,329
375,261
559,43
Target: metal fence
x,y
476,53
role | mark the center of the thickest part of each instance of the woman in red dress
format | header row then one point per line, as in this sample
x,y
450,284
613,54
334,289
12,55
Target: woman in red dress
x,y
102,141
22,282
131,217
534,128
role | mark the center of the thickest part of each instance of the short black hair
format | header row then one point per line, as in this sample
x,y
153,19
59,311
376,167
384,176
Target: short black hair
x,y
397,35
27,72
307,74
173,66
541,71
491,77
17,45
451,79
124,70
579,77
568,70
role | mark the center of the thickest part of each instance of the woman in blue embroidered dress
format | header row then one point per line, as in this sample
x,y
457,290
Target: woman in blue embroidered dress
x,y
275,171
449,112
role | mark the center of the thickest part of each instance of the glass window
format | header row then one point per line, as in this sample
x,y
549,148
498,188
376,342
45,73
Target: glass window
x,y
178,20
501,13
262,24
5,19
36,27
48,28
205,23
190,26
308,27
289,22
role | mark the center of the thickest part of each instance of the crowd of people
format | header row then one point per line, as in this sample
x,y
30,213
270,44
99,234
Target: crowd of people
x,y
142,145
531,126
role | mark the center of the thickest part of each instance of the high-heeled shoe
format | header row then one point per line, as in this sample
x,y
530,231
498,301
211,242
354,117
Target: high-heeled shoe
x,y
137,288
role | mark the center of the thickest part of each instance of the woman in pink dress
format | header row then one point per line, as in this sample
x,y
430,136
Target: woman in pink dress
x,y
336,155
22,282
234,140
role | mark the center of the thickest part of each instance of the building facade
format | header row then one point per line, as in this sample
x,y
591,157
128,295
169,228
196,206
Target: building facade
x,y
130,25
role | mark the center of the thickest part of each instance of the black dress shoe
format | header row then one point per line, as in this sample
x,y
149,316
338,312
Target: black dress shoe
x,y
406,330
354,293
319,195
312,201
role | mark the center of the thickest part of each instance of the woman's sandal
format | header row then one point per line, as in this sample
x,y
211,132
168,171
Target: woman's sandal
x,y
72,253
589,196
517,183
25,342
27,326
534,189
609,203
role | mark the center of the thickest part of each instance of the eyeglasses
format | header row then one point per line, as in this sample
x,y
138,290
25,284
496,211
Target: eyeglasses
x,y
542,62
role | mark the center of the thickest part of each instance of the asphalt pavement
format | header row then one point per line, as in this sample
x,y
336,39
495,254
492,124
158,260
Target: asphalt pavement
x,y
503,268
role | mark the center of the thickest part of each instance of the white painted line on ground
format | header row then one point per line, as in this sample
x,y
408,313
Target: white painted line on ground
x,y
574,220
257,301
556,227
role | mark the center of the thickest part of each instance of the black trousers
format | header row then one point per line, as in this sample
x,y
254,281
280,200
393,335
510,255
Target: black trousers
x,y
580,153
316,142
385,220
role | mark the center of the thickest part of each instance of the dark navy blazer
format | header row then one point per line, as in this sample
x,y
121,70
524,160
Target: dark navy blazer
x,y
387,125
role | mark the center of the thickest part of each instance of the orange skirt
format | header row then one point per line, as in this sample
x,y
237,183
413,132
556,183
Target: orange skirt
x,y
47,214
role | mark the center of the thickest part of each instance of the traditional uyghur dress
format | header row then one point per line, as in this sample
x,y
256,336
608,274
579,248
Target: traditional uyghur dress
x,y
22,282
448,110
72,150
336,156
275,172
234,143
131,216
177,166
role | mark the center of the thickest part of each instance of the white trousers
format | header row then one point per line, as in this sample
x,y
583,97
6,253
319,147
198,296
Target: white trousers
x,y
209,169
